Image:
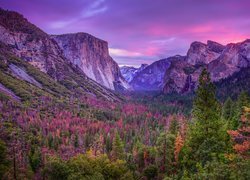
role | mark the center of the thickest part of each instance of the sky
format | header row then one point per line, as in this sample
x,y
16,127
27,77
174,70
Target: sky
x,y
141,31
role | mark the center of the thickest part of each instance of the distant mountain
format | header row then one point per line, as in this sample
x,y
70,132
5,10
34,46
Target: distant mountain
x,y
91,55
221,61
129,72
151,78
22,43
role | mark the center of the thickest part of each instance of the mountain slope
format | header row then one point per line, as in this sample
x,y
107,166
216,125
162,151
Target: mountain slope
x,y
91,55
234,85
221,61
151,78
23,40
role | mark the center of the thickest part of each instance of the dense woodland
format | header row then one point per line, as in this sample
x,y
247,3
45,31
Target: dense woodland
x,y
155,136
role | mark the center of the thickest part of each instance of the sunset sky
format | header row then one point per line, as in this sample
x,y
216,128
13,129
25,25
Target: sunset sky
x,y
141,31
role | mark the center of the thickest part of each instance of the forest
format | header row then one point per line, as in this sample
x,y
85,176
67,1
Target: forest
x,y
195,136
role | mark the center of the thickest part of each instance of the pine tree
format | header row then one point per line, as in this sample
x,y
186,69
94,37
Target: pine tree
x,y
165,147
227,109
174,126
118,148
206,136
228,114
4,163
108,144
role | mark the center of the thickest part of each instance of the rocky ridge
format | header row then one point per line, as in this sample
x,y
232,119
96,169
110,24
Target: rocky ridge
x,y
221,61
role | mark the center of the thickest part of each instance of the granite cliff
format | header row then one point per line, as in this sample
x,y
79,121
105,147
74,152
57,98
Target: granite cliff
x,y
91,55
221,61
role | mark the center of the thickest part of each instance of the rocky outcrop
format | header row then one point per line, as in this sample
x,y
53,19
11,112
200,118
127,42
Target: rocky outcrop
x,y
26,41
91,55
31,44
151,78
129,72
221,61
178,76
200,53
234,57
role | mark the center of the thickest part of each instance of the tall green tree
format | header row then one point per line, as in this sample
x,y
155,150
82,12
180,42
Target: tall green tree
x,y
207,135
118,148
35,158
165,147
174,126
228,114
227,109
4,163
108,144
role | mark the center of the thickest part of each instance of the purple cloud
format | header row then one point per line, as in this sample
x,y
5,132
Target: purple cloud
x,y
141,31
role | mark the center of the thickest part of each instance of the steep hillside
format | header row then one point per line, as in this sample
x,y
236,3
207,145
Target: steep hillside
x,y
24,41
234,85
91,55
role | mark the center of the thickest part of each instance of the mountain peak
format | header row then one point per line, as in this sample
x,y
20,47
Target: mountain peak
x,y
15,22
201,53
214,46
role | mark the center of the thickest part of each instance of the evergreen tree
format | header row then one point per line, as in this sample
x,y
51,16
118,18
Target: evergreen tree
x,y
118,148
165,147
174,126
4,163
227,109
108,144
35,158
206,136
228,114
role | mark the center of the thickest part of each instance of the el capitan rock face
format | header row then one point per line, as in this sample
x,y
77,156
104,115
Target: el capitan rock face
x,y
221,61
91,55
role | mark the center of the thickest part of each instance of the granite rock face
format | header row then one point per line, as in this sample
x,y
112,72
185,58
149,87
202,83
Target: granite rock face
x,y
30,43
200,53
221,61
91,55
